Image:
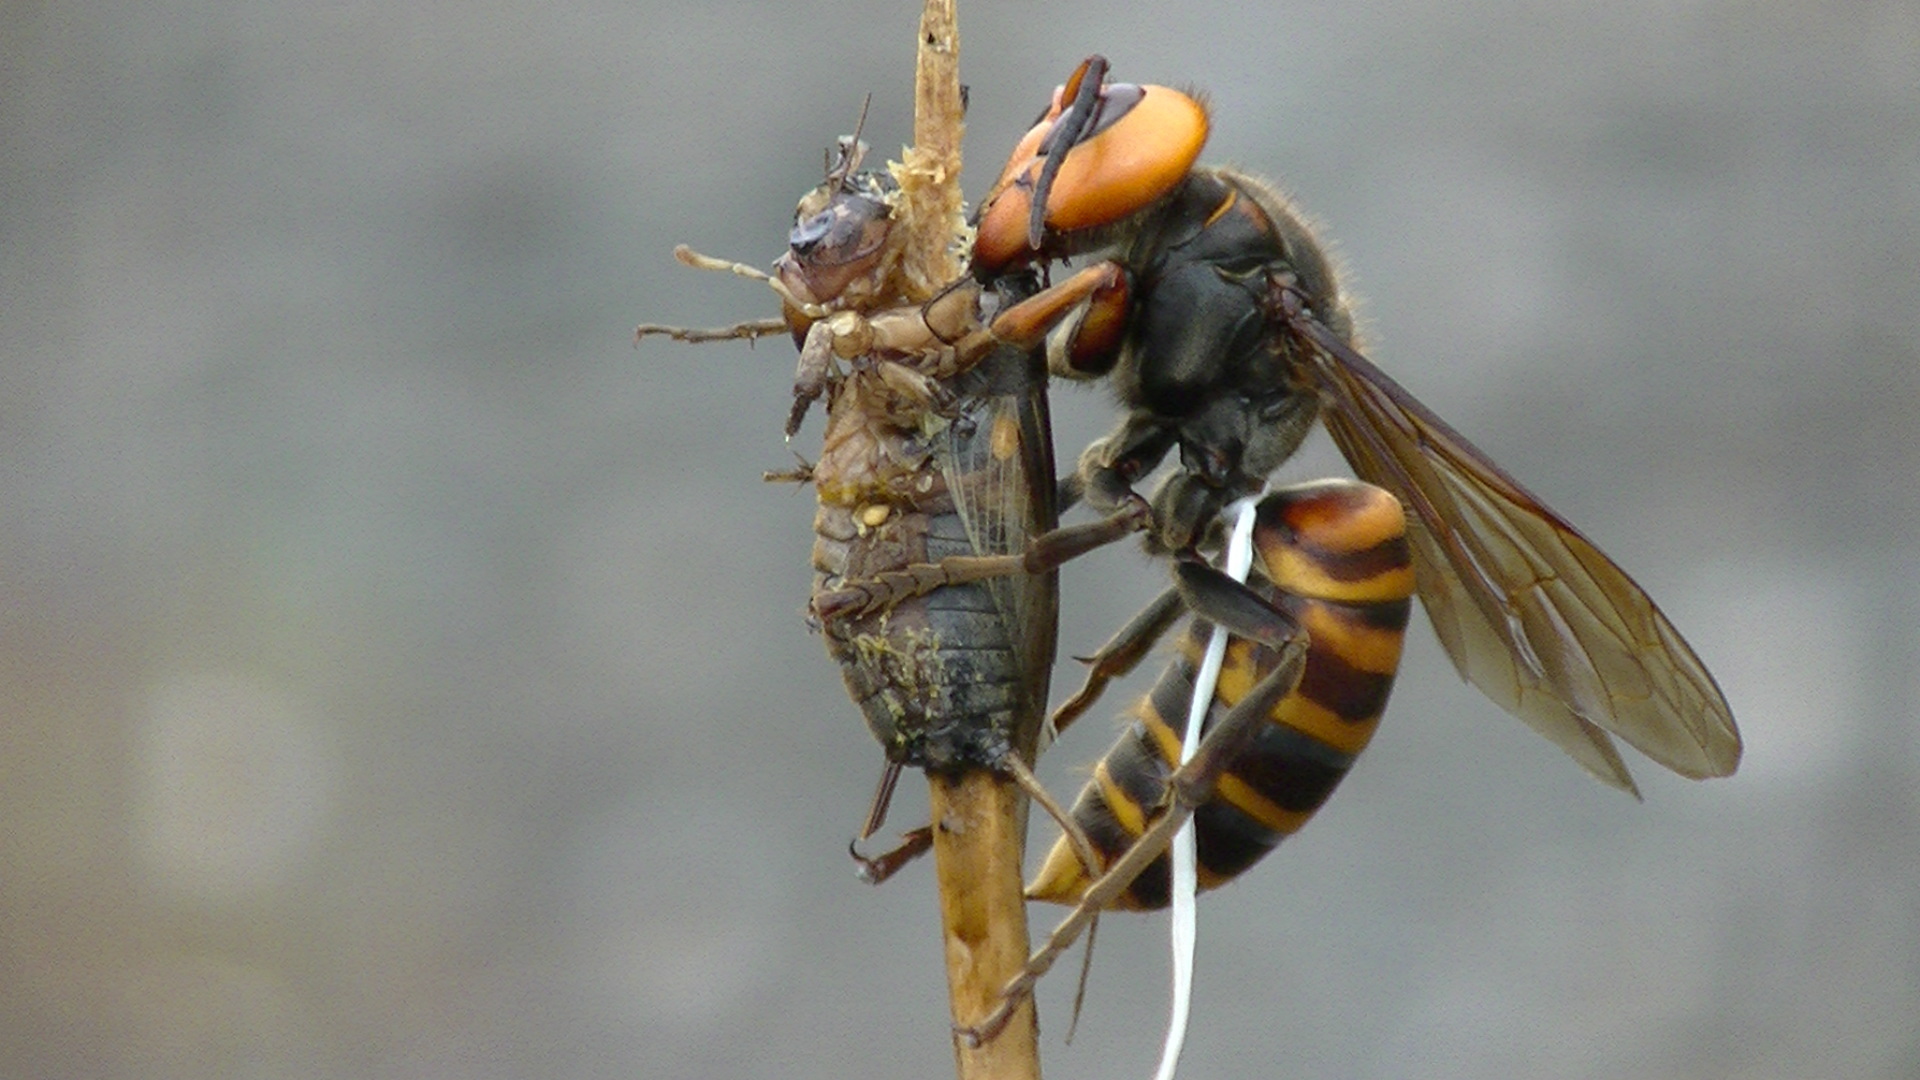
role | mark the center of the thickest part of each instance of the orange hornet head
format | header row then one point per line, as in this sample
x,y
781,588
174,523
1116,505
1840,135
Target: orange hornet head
x,y
1103,152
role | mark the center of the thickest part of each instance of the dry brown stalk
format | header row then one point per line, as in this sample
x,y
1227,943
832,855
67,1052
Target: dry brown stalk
x,y
979,816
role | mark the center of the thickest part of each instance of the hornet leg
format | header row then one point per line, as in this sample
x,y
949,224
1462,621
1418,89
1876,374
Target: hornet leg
x,y
1188,788
1045,552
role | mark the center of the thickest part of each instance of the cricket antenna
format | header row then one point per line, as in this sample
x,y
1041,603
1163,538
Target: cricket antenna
x,y
852,151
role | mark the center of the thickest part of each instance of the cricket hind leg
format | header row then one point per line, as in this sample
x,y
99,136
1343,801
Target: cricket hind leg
x,y
875,869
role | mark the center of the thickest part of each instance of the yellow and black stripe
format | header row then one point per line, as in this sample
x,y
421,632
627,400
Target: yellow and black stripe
x,y
1334,555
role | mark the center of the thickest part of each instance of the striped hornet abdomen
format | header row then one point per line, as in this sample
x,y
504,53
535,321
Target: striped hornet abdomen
x,y
1333,555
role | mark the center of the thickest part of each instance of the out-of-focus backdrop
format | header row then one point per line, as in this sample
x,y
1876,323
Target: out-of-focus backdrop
x,y
402,676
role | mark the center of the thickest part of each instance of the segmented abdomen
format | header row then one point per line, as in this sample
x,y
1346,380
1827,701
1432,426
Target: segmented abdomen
x,y
941,679
1334,555
956,678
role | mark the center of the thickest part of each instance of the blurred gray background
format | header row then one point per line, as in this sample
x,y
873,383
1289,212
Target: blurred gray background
x,y
402,676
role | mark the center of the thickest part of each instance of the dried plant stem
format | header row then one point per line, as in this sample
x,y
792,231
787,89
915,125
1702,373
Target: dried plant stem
x,y
979,835
931,207
979,816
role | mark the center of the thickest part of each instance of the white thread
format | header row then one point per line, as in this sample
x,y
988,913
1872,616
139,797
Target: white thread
x,y
1183,855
